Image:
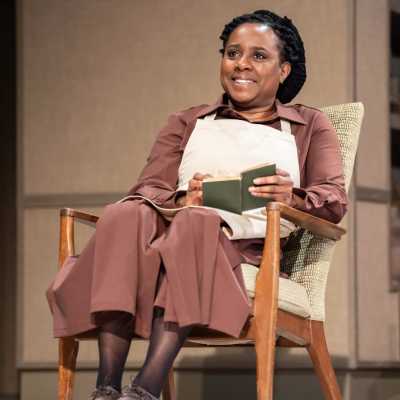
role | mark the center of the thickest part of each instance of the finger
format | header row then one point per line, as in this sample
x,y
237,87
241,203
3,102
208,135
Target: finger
x,y
199,176
194,185
282,197
195,193
198,198
282,187
282,172
273,180
271,189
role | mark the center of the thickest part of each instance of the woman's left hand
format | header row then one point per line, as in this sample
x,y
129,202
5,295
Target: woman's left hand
x,y
276,187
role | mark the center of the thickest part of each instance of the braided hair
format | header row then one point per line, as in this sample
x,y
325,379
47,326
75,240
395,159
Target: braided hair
x,y
291,48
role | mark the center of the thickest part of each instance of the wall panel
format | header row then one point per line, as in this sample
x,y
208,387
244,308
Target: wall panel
x,y
378,308
98,81
372,81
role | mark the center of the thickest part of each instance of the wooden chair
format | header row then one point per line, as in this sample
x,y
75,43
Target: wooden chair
x,y
292,310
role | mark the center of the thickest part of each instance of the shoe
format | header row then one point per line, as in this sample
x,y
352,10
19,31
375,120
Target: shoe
x,y
105,393
135,392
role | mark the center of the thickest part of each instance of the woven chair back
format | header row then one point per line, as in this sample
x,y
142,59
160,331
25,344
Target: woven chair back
x,y
307,258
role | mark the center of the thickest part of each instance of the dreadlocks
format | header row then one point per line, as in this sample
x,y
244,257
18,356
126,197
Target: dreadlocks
x,y
291,48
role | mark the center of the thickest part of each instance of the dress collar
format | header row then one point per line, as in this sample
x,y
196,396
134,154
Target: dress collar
x,y
289,113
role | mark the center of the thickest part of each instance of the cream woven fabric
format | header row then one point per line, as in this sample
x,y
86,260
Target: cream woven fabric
x,y
306,257
292,297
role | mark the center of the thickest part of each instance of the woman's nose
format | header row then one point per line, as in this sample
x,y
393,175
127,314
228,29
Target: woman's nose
x,y
243,63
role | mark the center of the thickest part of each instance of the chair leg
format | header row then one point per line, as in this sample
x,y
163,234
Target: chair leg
x,y
321,359
265,358
266,306
169,392
68,352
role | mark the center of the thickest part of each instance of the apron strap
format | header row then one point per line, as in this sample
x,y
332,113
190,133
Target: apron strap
x,y
210,116
285,126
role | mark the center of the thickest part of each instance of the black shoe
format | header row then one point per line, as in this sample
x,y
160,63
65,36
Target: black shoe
x,y
105,393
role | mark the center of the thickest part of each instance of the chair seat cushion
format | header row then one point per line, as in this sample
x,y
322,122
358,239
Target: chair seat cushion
x,y
292,296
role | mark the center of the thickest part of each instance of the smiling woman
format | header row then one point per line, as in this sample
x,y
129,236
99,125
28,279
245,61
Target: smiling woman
x,y
154,277
252,69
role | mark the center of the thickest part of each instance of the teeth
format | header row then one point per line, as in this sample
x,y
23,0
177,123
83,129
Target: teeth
x,y
243,81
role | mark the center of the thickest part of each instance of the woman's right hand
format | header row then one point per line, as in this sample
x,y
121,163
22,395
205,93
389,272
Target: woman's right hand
x,y
194,194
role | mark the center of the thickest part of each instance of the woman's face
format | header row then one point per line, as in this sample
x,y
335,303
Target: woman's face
x,y
250,68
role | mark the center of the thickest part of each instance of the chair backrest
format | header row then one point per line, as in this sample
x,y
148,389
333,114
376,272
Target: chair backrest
x,y
306,257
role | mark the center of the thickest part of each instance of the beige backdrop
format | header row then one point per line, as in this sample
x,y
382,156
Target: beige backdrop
x,y
97,79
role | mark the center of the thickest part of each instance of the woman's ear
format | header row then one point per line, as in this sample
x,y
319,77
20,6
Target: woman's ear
x,y
285,71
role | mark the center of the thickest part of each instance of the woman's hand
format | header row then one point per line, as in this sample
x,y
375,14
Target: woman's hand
x,y
194,194
276,187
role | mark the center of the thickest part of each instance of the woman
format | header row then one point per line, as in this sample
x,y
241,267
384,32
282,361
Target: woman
x,y
141,274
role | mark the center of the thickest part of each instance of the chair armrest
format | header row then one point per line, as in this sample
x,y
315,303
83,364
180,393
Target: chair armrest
x,y
80,215
315,225
67,237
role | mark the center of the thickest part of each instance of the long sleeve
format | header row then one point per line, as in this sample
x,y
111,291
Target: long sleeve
x,y
323,191
159,177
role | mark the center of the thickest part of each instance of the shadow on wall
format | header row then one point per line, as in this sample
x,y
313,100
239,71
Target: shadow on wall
x,y
383,385
299,383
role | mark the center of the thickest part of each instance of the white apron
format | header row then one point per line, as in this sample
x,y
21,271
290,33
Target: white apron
x,y
225,147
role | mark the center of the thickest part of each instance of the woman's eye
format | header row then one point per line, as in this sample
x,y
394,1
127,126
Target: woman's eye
x,y
232,53
260,56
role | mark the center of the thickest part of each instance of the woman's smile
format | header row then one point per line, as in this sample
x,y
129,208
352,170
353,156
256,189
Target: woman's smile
x,y
243,81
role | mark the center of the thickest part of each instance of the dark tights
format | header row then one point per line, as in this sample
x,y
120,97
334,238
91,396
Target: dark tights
x,y
165,342
114,341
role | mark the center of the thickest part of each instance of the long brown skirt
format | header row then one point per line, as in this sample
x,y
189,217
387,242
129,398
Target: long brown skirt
x,y
136,260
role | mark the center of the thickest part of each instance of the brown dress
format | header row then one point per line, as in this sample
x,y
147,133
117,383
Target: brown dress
x,y
137,260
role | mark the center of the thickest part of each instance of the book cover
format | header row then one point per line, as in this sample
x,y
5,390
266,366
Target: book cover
x,y
223,193
249,201
232,194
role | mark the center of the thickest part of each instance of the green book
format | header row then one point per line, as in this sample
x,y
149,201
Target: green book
x,y
232,193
